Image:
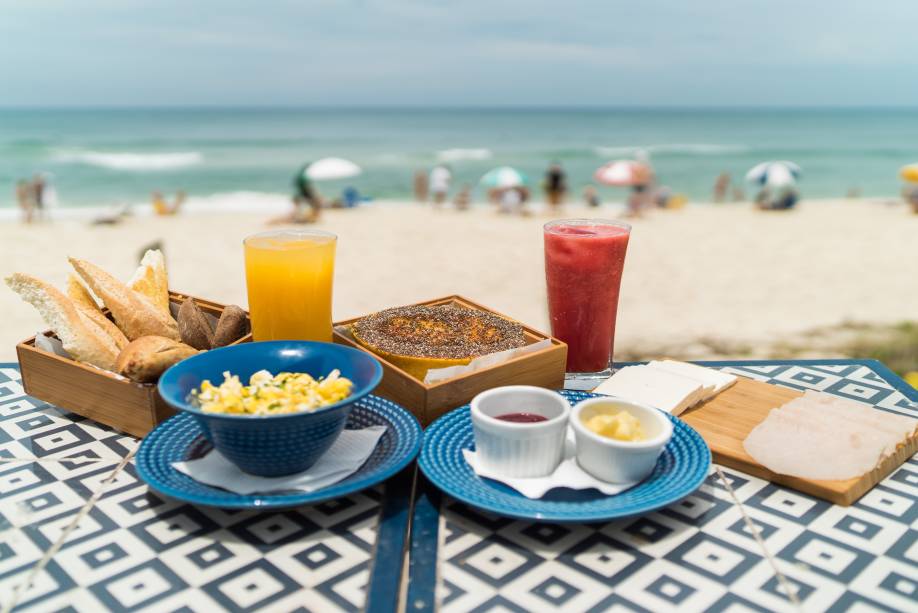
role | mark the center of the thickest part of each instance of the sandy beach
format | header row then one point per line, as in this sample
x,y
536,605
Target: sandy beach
x,y
724,274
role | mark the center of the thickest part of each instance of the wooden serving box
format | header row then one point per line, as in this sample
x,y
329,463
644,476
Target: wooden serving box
x,y
543,368
134,408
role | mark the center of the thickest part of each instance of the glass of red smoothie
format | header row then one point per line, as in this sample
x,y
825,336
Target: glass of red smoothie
x,y
584,259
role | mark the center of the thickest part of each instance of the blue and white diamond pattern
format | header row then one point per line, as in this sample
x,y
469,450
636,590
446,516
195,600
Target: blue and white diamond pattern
x,y
69,483
701,554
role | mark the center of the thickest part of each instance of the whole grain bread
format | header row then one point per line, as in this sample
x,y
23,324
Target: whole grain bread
x,y
194,327
232,325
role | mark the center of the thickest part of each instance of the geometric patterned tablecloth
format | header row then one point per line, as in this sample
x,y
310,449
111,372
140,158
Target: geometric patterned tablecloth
x,y
79,531
739,543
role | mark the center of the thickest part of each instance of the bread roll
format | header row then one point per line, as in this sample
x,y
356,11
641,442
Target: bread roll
x,y
82,339
151,281
134,313
194,327
232,326
147,357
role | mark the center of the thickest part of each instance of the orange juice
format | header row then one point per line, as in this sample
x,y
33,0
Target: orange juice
x,y
289,278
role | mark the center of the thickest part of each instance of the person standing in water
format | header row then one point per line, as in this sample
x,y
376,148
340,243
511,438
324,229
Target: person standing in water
x,y
38,195
721,185
420,186
25,200
440,178
555,185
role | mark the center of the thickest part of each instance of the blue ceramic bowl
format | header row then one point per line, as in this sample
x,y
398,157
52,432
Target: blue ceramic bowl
x,y
272,445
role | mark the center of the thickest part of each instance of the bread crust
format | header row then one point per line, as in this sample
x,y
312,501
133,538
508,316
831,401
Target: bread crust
x,y
104,324
134,313
194,327
147,357
151,280
231,326
78,293
83,340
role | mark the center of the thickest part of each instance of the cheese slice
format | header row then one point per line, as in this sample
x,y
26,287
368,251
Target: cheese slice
x,y
661,389
714,381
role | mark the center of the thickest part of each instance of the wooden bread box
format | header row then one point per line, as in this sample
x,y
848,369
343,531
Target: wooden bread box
x,y
543,368
133,408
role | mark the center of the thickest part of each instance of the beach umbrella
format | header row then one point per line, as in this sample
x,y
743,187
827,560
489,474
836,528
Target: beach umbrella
x,y
779,173
331,168
502,177
623,173
909,173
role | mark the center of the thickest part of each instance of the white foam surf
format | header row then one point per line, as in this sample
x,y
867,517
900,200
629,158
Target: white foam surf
x,y
455,155
131,161
676,148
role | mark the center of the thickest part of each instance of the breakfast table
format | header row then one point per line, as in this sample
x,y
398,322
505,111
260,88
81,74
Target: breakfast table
x,y
80,531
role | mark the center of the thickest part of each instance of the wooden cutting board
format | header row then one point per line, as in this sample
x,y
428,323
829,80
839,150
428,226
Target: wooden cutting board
x,y
726,420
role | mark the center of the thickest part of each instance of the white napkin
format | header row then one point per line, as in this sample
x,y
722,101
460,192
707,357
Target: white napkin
x,y
568,474
346,455
435,375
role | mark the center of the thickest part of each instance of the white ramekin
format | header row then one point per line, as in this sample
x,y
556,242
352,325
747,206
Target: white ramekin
x,y
617,461
520,449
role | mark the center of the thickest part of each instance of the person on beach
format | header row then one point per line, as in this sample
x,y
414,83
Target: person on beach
x,y
721,185
511,201
463,198
161,207
39,187
440,178
420,186
781,199
591,197
307,203
910,195
555,185
24,199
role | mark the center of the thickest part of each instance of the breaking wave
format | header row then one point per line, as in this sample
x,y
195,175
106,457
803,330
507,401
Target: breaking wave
x,y
127,160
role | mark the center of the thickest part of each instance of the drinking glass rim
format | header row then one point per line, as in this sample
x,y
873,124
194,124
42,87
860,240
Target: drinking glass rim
x,y
584,221
291,232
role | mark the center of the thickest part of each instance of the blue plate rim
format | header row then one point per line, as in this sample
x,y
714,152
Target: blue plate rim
x,y
567,517
286,500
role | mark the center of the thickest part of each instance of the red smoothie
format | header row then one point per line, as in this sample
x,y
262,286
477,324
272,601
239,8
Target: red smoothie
x,y
584,259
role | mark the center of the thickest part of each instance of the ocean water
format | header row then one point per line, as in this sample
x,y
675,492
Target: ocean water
x,y
105,157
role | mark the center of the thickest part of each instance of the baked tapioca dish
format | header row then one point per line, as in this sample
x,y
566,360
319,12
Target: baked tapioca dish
x,y
419,338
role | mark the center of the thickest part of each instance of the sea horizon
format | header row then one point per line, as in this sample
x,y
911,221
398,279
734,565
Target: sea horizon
x,y
100,156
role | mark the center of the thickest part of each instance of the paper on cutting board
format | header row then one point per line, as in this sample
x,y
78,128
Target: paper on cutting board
x,y
486,361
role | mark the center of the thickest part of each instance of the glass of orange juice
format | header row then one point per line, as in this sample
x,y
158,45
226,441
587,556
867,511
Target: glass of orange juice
x,y
289,278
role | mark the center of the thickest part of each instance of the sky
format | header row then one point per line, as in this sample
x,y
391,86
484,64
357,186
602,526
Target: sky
x,y
152,53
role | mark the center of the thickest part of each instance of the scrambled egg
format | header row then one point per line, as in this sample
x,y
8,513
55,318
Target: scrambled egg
x,y
268,394
622,426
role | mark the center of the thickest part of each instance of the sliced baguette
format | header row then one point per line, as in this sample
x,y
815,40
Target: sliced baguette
x,y
103,323
78,293
134,313
83,340
150,280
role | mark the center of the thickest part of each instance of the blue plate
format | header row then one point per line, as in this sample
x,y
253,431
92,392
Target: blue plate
x,y
681,469
180,438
